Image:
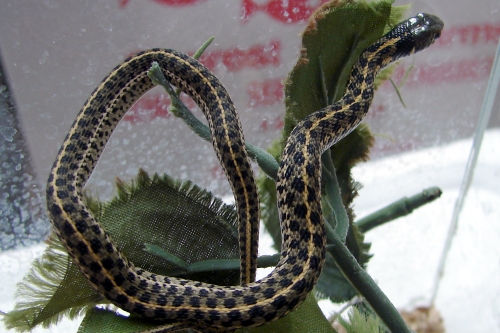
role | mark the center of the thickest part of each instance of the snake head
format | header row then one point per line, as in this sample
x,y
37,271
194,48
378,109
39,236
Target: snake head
x,y
425,28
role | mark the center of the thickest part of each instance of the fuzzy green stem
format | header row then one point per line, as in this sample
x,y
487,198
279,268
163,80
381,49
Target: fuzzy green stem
x,y
365,285
208,265
398,209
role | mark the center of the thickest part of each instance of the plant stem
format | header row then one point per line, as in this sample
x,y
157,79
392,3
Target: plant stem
x,y
366,286
209,265
333,196
402,207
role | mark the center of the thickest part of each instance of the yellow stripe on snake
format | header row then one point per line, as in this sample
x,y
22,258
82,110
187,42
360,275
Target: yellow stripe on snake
x,y
184,303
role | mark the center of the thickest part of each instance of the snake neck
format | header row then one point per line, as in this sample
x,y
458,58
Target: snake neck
x,y
300,168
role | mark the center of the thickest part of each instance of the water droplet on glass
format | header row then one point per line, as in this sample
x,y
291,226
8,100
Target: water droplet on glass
x,y
42,60
88,81
106,25
8,133
132,171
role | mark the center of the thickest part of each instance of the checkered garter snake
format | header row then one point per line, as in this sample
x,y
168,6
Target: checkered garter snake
x,y
184,303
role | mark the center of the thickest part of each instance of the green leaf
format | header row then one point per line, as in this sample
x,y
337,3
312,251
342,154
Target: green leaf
x,y
307,317
360,322
178,217
102,320
336,35
42,296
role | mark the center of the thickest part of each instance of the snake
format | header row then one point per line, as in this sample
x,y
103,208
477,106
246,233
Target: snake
x,y
181,303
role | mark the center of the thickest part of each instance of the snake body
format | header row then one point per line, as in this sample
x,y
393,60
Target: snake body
x,y
184,303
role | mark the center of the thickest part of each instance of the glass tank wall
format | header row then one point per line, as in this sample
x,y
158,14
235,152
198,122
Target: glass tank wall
x,y
54,53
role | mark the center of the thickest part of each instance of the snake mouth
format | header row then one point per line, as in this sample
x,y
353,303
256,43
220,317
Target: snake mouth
x,y
425,28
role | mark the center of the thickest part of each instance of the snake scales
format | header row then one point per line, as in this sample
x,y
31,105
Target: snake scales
x,y
184,303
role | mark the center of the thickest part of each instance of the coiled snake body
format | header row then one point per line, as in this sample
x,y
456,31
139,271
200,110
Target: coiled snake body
x,y
211,308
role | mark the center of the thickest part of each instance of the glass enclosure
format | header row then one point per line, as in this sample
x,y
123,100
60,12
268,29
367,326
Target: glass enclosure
x,y
54,53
